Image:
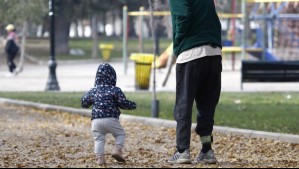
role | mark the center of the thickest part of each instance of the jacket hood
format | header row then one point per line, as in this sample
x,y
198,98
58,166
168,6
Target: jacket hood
x,y
106,75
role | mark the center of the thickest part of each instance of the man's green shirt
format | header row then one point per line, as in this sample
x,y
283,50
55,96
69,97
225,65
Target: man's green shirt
x,y
195,23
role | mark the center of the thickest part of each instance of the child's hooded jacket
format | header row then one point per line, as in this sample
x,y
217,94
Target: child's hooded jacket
x,y
105,97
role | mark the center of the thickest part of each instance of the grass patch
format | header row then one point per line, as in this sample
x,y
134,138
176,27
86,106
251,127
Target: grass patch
x,y
40,47
273,112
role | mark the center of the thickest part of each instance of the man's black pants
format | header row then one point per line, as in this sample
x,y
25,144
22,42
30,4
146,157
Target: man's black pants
x,y
199,81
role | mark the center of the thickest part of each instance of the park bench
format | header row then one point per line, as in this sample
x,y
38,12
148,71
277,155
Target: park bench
x,y
237,49
268,71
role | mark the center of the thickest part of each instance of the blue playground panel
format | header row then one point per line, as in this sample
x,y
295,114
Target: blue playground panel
x,y
268,56
227,43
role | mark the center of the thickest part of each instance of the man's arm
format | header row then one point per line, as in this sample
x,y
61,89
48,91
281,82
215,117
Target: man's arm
x,y
181,14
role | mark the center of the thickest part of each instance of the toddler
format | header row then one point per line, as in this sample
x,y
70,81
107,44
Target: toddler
x,y
107,99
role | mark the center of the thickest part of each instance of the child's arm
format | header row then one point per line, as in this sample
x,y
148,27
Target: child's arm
x,y
122,101
86,100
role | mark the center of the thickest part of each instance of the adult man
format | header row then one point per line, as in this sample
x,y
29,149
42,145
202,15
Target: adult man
x,y
197,44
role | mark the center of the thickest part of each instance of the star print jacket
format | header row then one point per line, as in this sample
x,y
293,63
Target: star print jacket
x,y
105,97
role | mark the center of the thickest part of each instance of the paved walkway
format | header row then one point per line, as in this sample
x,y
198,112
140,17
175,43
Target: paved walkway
x,y
32,138
79,76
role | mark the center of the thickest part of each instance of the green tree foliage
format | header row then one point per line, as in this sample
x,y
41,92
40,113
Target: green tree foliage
x,y
17,11
22,12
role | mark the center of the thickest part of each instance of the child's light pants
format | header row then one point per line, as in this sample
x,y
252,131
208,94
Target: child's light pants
x,y
101,127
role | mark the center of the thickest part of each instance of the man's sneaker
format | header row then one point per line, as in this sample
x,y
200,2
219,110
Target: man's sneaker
x,y
180,158
118,155
101,160
207,158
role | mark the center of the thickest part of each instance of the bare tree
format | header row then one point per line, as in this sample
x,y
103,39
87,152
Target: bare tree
x,y
21,13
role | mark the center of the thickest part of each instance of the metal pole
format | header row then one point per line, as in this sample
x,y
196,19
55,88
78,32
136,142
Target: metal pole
x,y
243,35
141,48
52,83
233,6
125,39
264,31
155,102
270,27
244,28
270,35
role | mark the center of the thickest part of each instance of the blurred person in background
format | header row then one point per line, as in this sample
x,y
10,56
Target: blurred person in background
x,y
11,49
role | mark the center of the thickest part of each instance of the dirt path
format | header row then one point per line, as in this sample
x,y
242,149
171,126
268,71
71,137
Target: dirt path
x,y
34,138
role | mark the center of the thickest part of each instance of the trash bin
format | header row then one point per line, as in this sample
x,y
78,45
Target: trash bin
x,y
106,51
143,67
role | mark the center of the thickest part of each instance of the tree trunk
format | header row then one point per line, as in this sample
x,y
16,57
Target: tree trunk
x,y
62,27
167,21
114,23
158,25
23,45
81,23
45,25
62,37
247,24
104,19
132,30
157,35
94,27
76,29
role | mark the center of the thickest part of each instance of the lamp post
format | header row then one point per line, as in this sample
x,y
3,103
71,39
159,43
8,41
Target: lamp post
x,y
52,83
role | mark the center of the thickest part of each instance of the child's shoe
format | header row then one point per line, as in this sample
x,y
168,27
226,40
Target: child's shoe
x,y
101,160
118,155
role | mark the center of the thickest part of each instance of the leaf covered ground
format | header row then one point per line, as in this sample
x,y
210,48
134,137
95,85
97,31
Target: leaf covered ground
x,y
31,138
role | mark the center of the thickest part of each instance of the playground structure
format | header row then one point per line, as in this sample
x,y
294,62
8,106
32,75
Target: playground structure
x,y
262,31
272,33
279,33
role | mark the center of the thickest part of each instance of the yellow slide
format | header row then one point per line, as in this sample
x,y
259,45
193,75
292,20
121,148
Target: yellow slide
x,y
161,62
